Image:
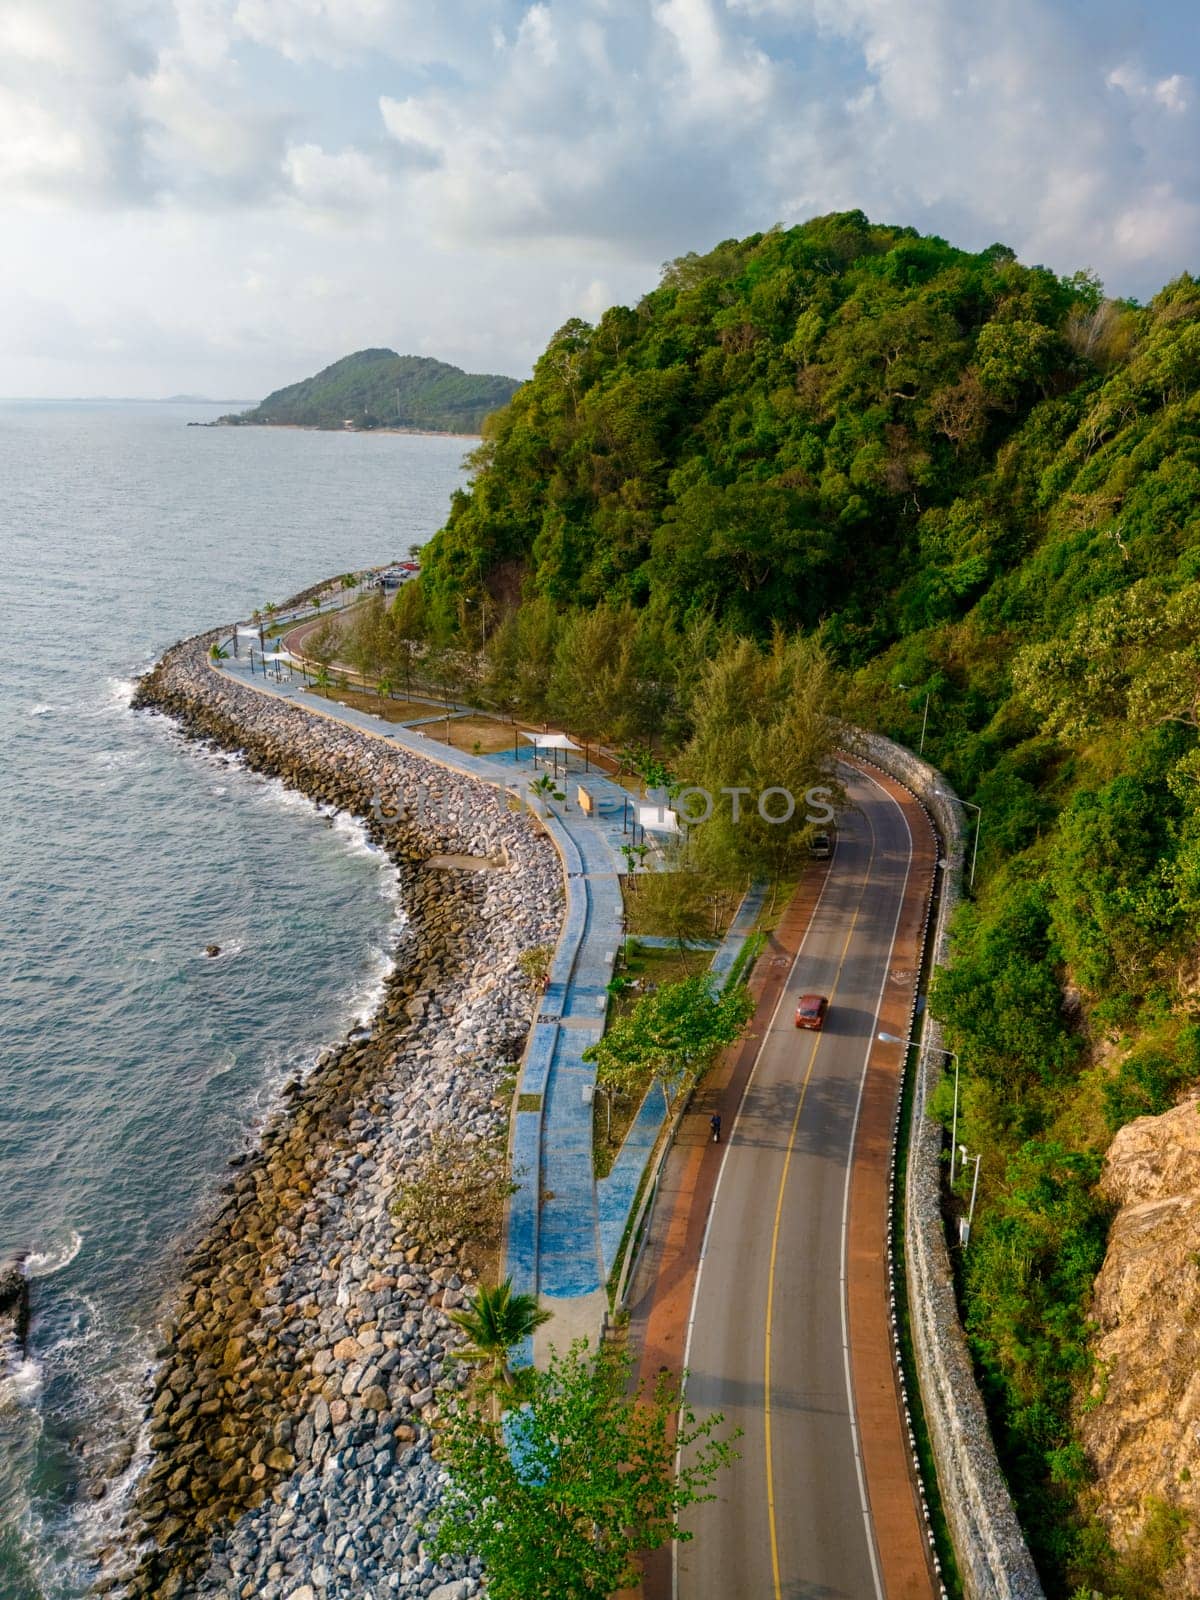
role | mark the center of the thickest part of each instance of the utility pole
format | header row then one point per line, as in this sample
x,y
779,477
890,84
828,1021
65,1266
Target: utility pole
x,y
978,823
964,1225
916,1044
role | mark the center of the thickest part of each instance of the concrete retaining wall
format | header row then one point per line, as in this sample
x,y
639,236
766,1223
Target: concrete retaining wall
x,y
993,1559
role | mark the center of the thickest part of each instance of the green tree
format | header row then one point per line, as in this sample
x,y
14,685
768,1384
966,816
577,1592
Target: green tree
x,y
544,789
496,1321
678,902
762,727
323,643
1116,911
560,1497
674,1031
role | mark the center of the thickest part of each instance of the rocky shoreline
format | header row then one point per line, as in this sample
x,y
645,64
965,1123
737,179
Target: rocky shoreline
x,y
306,1352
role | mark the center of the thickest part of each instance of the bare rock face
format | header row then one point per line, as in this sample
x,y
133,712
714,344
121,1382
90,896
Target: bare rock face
x,y
1141,1428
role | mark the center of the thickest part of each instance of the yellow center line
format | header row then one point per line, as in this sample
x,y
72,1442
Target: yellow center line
x,y
787,1160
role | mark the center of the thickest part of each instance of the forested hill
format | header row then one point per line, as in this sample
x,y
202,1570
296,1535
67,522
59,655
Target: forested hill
x,y
379,389
980,483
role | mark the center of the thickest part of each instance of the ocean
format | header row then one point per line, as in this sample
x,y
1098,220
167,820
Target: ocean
x,y
133,1067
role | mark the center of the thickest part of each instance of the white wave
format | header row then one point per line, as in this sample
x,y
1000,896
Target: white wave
x,y
41,711
108,760
233,948
273,793
367,997
42,1263
224,1063
119,694
354,831
66,1545
20,1377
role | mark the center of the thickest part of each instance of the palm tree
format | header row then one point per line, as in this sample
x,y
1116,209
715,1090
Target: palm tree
x,y
545,789
495,1321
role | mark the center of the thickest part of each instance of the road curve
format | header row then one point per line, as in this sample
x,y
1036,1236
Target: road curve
x,y
768,1342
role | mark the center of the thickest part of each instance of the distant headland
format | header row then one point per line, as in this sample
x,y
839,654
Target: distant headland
x,y
380,390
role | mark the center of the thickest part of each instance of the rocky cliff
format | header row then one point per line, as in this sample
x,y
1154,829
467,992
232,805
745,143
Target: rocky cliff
x,y
1141,1423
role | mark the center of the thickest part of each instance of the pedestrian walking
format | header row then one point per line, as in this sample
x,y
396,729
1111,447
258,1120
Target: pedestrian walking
x,y
714,1123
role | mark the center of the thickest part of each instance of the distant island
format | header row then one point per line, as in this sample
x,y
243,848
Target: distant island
x,y
380,389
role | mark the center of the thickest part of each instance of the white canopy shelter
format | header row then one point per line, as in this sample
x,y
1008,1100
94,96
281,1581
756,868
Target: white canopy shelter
x,y
658,819
552,743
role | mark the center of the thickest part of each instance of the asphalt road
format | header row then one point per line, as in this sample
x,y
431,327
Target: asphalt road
x,y
766,1341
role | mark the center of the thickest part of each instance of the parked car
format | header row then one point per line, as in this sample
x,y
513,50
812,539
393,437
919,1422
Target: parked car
x,y
819,846
811,1011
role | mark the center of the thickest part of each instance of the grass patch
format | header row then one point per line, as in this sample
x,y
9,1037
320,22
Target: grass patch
x,y
376,705
779,896
744,961
646,966
482,736
639,917
529,1102
624,1109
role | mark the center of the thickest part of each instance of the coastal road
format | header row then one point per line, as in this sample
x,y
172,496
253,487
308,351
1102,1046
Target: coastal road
x,y
769,1339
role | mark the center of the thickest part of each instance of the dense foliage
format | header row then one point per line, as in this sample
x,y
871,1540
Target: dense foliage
x,y
979,484
560,1495
771,412
379,389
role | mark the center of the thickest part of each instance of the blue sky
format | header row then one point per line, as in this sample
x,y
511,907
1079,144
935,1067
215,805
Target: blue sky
x,y
223,195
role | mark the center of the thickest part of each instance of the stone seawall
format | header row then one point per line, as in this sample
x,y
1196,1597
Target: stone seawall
x,y
304,1356
993,1559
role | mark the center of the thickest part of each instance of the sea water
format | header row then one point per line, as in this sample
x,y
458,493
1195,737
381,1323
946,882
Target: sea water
x,y
132,1065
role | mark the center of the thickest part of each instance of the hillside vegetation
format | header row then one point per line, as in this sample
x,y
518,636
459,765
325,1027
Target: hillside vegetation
x,y
379,389
977,484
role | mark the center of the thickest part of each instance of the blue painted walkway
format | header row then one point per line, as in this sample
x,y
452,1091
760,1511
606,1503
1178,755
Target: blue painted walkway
x,y
553,1246
616,1194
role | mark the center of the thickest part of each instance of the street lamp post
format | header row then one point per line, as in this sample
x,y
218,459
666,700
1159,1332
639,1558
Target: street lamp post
x,y
965,1229
924,717
894,1038
978,810
590,1090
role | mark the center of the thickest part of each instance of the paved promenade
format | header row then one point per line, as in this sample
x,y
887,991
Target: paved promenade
x,y
554,1236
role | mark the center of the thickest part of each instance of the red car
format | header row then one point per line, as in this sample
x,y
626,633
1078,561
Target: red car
x,y
810,1013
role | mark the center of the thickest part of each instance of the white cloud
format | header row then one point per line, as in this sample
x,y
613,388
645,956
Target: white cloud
x,y
341,31
334,184
460,177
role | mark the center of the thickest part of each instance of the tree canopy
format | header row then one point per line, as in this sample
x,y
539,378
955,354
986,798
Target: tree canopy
x,y
559,1497
969,489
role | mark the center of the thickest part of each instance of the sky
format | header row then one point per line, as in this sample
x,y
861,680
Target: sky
x,y
222,196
